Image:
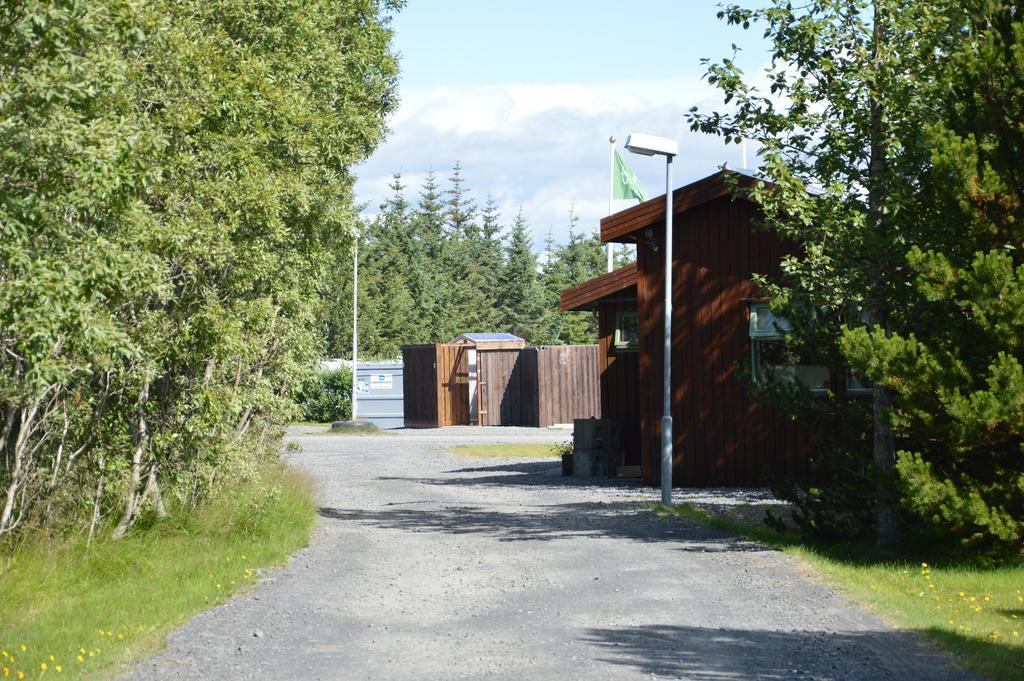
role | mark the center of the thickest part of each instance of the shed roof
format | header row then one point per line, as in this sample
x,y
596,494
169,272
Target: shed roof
x,y
490,341
585,295
487,337
622,226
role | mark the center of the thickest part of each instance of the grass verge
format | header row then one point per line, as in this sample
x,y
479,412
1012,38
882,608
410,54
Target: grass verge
x,y
530,451
973,611
71,610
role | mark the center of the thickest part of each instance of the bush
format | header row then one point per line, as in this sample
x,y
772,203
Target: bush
x,y
327,396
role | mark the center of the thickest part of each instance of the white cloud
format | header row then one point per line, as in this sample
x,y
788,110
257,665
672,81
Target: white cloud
x,y
544,147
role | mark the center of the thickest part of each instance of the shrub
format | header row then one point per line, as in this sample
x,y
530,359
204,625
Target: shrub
x,y
327,396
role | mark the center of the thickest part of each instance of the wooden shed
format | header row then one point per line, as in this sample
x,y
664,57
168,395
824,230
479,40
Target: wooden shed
x,y
721,437
493,380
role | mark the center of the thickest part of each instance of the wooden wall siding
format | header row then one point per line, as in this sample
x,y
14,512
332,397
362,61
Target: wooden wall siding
x,y
568,381
419,387
452,385
721,437
500,387
620,380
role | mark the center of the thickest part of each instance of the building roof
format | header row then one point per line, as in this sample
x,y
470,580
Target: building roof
x,y
585,295
490,341
622,226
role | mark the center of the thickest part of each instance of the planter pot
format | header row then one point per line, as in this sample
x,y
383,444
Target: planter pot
x,y
567,464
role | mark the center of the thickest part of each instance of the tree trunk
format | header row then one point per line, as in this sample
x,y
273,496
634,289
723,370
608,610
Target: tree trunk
x,y
97,498
153,492
139,438
884,446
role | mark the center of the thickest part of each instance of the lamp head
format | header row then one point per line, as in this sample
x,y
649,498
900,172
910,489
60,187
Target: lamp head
x,y
651,145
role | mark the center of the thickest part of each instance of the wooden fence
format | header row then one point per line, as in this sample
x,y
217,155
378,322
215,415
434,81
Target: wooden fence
x,y
523,387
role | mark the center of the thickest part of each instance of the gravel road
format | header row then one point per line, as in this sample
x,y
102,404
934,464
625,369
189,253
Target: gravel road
x,y
427,566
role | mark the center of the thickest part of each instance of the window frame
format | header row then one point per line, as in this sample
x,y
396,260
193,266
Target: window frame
x,y
618,345
758,333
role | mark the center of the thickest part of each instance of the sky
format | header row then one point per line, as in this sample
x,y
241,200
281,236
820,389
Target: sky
x,y
525,94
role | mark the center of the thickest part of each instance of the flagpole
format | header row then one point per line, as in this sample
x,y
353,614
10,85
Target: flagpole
x,y
611,183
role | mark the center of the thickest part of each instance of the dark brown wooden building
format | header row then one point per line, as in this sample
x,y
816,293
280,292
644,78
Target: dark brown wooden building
x,y
721,437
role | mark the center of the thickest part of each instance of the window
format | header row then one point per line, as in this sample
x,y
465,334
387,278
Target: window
x,y
857,384
769,356
627,332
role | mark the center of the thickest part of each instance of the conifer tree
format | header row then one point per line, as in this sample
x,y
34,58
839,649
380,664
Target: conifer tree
x,y
521,297
956,370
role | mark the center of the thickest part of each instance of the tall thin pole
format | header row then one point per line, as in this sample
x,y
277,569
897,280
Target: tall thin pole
x,y
611,184
666,395
743,154
355,322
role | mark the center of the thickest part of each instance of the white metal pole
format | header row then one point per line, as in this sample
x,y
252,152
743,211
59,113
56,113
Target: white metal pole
x,y
611,183
355,323
666,409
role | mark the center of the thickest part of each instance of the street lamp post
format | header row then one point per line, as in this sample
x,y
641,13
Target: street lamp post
x,y
649,145
355,324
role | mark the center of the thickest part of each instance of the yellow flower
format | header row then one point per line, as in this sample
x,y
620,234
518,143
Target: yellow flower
x,y
80,658
21,675
950,622
120,636
52,658
924,565
7,672
59,669
91,653
42,665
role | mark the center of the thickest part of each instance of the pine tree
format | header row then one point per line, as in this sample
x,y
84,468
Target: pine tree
x,y
521,298
426,282
956,372
460,263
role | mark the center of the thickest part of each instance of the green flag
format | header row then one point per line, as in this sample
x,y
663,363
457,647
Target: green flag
x,y
624,182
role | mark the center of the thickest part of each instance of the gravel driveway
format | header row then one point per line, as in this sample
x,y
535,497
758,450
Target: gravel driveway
x,y
427,566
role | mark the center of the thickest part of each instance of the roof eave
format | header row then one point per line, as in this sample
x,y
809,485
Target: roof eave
x,y
626,225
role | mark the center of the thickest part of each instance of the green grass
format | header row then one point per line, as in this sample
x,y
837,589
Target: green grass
x,y
92,609
971,610
506,451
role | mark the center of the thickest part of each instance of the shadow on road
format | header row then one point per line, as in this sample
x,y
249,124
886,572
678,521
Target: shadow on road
x,y
529,474
703,654
620,520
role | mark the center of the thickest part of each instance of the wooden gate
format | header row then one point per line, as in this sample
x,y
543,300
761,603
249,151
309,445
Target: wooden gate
x,y
500,388
453,385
